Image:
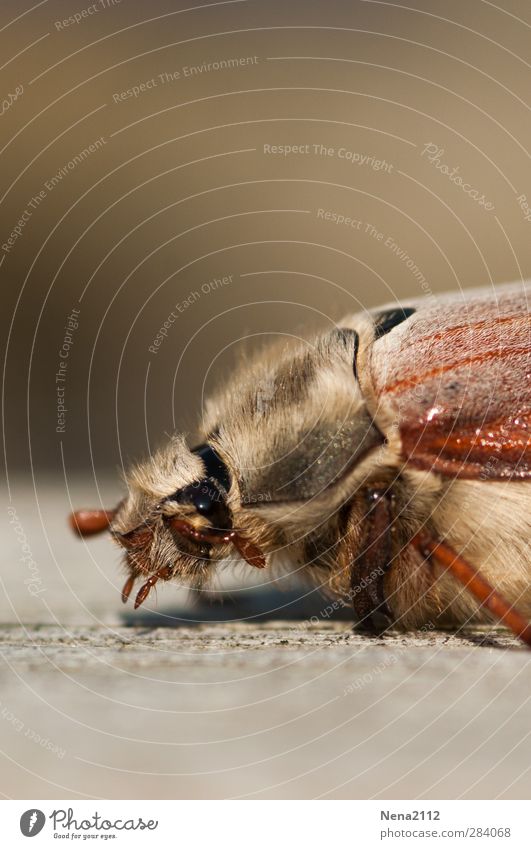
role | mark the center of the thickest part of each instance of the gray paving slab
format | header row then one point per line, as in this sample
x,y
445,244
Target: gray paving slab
x,y
204,701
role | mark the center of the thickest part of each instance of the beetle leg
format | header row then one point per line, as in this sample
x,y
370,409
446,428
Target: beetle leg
x,y
143,592
369,568
474,582
128,586
249,551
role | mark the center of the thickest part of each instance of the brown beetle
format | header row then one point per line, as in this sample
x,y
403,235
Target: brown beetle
x,y
389,460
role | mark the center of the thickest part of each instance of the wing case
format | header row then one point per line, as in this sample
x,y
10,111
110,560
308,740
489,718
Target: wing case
x,y
455,376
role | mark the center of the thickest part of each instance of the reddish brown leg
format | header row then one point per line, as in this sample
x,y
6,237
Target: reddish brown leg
x,y
128,586
249,552
373,562
471,578
143,592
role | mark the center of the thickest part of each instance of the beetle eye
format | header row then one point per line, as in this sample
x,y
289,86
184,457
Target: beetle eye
x,y
203,495
203,503
206,498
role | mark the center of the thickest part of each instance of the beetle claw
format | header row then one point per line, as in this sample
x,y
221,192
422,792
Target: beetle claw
x,y
127,587
143,592
165,573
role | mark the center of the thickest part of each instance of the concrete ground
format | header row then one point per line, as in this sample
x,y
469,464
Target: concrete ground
x,y
257,698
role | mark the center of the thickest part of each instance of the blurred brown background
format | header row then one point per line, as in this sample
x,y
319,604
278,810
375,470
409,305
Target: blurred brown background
x,y
180,190
144,181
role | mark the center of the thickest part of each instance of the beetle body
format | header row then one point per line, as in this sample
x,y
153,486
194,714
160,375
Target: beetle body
x,y
360,458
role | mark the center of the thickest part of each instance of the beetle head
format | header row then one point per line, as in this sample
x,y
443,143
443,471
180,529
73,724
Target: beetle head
x,y
175,518
285,446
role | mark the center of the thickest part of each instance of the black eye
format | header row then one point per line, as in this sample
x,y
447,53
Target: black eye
x,y
200,494
207,500
203,503
215,468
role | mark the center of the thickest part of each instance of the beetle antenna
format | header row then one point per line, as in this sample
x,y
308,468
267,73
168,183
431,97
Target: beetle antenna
x,y
86,523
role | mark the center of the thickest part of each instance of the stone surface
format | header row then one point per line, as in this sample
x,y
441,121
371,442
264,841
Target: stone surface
x,y
252,699
280,709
